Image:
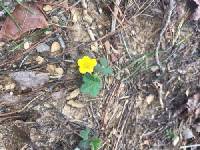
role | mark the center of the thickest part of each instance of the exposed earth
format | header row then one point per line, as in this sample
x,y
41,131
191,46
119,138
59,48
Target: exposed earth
x,y
150,102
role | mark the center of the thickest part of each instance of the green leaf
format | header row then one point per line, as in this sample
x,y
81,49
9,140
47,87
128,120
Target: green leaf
x,y
85,134
103,67
84,145
103,62
91,85
104,70
95,143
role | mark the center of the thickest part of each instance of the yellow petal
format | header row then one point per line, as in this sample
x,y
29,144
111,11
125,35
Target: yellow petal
x,y
80,62
93,62
82,70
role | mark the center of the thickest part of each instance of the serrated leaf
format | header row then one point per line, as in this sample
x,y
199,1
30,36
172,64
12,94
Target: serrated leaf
x,y
84,145
85,134
95,143
107,71
91,85
104,70
103,62
103,67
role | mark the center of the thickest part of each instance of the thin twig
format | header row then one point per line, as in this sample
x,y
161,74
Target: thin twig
x,y
114,17
169,14
190,146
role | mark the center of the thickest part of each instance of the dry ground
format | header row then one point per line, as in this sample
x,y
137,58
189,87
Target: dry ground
x,y
140,107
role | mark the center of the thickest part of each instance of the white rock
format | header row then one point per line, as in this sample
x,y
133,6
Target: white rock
x,y
26,45
59,71
175,140
154,68
150,99
2,44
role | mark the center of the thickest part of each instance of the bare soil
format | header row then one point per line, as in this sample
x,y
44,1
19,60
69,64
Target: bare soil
x,y
140,107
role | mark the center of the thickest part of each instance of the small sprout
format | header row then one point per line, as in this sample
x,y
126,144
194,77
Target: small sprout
x,y
88,141
86,64
170,134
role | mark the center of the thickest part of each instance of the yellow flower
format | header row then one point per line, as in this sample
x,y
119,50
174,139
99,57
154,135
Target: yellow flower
x,y
86,64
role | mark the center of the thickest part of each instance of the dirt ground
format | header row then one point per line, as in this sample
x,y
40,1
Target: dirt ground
x,y
152,100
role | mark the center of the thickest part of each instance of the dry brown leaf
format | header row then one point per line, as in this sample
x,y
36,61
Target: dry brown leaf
x,y
27,17
196,15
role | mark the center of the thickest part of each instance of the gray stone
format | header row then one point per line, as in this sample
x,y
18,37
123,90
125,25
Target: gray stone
x,y
43,48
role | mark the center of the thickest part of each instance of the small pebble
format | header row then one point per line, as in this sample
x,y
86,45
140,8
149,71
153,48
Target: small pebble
x,y
10,86
55,47
39,60
48,32
59,71
26,45
2,44
150,99
51,68
154,68
75,15
55,19
94,47
43,48
47,8
88,18
176,140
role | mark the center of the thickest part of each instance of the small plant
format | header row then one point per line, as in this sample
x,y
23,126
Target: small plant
x,y
170,134
88,141
92,74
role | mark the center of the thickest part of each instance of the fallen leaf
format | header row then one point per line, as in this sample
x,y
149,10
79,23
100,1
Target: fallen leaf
x,y
27,17
30,79
196,14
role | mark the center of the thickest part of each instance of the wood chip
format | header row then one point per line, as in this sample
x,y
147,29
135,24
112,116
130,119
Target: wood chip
x,y
75,104
73,94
